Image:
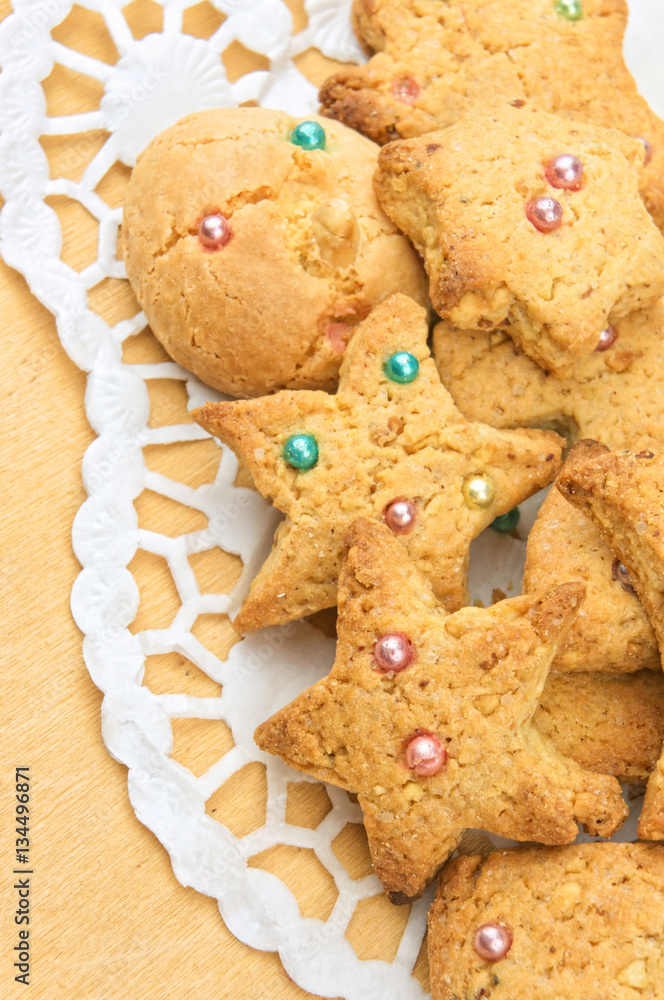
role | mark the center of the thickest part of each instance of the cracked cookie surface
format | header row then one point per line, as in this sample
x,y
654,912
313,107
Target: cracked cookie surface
x,y
474,198
467,692
612,396
377,442
435,61
585,921
308,253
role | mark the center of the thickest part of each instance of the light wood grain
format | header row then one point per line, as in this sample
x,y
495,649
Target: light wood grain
x,y
109,918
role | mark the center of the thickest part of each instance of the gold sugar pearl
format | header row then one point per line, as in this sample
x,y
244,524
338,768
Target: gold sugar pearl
x,y
479,491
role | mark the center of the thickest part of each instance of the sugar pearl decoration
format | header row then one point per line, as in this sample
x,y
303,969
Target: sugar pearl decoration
x,y
646,146
565,171
399,515
393,652
619,573
214,231
402,367
571,10
308,135
546,214
406,89
607,339
425,754
301,451
492,942
508,521
479,491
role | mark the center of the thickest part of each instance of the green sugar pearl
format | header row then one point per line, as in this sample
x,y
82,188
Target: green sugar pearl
x,y
402,367
571,10
308,135
301,451
508,521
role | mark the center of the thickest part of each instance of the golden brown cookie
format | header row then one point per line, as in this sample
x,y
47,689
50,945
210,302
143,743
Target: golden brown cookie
x,y
609,396
254,257
611,723
505,243
390,445
428,718
584,922
612,632
624,495
436,61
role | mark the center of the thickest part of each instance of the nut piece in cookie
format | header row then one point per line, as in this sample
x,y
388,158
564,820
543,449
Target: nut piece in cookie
x,y
579,922
624,495
612,632
608,396
502,245
443,741
611,723
435,61
255,244
390,445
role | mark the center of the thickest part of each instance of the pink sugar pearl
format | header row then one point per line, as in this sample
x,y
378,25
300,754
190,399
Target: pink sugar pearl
x,y
214,231
425,754
492,942
393,652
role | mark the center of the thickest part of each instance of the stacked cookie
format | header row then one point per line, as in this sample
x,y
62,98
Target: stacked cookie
x,y
284,268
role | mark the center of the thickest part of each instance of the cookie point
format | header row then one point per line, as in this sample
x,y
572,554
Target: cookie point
x,y
308,135
214,231
571,10
301,451
508,521
425,754
546,214
565,171
479,491
393,652
400,515
607,339
492,942
402,367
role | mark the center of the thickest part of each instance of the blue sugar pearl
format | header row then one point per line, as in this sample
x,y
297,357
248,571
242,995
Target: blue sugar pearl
x,y
301,451
402,367
308,135
508,521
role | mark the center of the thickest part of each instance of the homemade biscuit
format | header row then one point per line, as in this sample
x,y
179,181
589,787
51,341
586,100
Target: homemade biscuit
x,y
390,445
585,921
303,250
503,244
435,61
428,718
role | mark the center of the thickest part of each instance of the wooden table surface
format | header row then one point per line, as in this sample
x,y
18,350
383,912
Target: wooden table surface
x,y
109,919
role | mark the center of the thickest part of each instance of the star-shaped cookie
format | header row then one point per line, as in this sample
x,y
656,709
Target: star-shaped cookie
x,y
443,741
528,219
611,633
390,444
435,61
624,494
610,396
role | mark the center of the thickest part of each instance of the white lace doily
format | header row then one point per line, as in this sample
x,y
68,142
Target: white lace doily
x,y
155,81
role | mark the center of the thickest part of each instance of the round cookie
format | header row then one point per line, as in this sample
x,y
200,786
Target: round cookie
x,y
306,254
